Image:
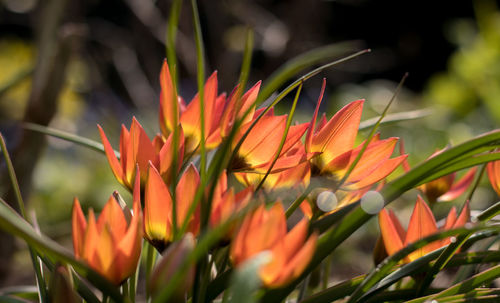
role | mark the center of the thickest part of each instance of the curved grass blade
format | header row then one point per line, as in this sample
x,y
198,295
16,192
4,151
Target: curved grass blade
x,y
37,267
339,291
462,163
294,66
246,62
11,222
465,286
396,117
173,22
67,137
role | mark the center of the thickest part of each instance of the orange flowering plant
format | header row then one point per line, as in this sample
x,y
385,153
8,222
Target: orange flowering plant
x,y
215,198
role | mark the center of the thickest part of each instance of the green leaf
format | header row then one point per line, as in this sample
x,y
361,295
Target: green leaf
x,y
296,65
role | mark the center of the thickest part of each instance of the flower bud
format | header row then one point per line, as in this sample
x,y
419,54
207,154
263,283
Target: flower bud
x,y
169,264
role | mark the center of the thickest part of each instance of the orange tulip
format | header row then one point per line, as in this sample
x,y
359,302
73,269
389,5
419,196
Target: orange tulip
x,y
493,169
446,188
158,221
422,224
334,140
112,245
260,147
219,113
295,176
225,202
265,230
137,149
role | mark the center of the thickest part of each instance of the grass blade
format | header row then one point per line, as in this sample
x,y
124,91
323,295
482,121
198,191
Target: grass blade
x,y
294,66
396,117
67,137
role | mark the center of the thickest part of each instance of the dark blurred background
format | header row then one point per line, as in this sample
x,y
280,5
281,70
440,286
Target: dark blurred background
x,y
72,64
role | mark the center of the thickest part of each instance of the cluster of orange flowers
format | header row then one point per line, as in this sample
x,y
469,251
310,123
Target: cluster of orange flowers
x,y
112,244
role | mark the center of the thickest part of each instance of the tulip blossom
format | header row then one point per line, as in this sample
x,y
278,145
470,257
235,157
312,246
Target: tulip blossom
x,y
219,112
226,202
260,147
112,245
158,206
422,224
333,141
265,230
298,175
137,149
493,169
446,188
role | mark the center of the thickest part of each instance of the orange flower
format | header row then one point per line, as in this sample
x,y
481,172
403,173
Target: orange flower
x,y
298,175
260,147
265,230
219,113
225,202
445,188
493,169
112,245
422,224
137,149
158,221
334,140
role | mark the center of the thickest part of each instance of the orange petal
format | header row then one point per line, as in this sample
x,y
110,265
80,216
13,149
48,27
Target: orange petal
x,y
157,208
167,99
79,225
450,219
190,119
390,231
106,253
295,132
459,187
237,249
112,215
464,216
311,130
262,142
376,153
185,194
143,149
90,242
166,156
338,134
113,161
406,165
129,248
380,172
422,224
493,169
